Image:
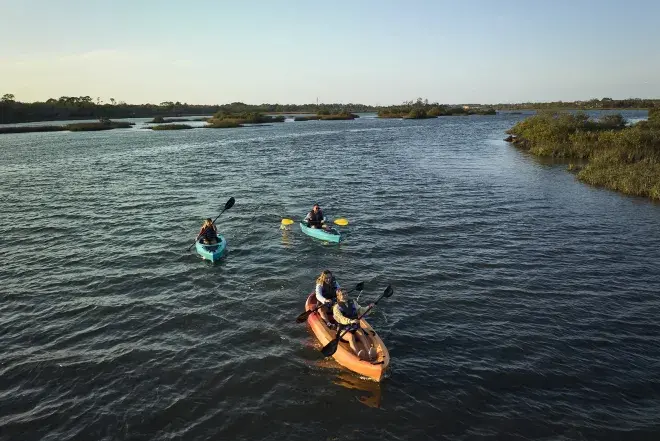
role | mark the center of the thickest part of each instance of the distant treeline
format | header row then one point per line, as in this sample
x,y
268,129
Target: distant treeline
x,y
85,107
605,103
421,109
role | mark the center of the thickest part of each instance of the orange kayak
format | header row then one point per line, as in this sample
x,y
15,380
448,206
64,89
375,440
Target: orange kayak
x,y
376,370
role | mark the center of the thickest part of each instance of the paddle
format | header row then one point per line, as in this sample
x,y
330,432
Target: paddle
x,y
341,222
331,347
228,205
302,317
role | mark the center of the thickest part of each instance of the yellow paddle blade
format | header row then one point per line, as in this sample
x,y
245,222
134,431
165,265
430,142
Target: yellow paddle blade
x,y
341,221
287,221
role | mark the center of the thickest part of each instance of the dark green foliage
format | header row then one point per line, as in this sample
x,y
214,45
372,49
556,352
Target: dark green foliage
x,y
172,127
79,127
96,126
30,129
307,118
421,109
622,158
343,115
222,124
246,118
654,117
161,120
596,104
66,108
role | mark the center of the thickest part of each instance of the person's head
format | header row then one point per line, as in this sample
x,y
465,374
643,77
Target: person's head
x,y
342,296
325,278
315,208
208,221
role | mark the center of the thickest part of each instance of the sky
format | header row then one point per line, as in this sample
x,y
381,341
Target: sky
x,y
360,51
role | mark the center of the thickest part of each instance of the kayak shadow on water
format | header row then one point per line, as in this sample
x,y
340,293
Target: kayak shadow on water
x,y
351,381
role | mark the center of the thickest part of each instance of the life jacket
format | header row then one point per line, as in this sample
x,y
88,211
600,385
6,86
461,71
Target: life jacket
x,y
315,218
348,310
208,232
329,291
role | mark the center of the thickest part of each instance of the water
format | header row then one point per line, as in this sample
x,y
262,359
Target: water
x,y
525,303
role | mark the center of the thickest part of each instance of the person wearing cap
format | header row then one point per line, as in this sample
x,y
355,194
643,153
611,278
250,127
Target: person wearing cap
x,y
315,218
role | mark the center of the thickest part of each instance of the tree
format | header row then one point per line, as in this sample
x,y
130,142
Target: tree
x,y
112,101
8,98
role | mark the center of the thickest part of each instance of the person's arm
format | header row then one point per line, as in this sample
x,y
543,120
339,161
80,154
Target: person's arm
x,y
341,318
319,294
215,228
308,217
362,309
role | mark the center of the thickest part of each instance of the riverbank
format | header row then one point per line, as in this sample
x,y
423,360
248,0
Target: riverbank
x,y
161,120
75,127
171,127
619,157
224,119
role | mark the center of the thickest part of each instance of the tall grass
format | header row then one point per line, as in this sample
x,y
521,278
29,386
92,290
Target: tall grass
x,y
619,157
172,127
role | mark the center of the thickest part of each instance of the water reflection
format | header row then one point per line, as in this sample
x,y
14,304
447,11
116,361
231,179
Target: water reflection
x,y
286,239
372,388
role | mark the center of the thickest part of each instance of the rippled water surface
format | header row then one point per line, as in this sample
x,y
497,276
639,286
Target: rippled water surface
x,y
526,304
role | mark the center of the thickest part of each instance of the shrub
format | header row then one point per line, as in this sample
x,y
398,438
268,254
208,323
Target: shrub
x,y
172,127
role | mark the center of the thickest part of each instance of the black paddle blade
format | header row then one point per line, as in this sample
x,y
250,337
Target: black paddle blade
x,y
230,203
302,317
359,286
331,347
388,291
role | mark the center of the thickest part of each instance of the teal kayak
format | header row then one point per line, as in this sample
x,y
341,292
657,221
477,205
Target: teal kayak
x,y
212,252
331,235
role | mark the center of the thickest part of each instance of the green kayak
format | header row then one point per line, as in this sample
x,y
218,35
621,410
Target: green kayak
x,y
330,235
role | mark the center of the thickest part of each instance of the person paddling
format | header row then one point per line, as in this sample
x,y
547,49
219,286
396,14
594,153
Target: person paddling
x,y
315,218
209,233
346,312
326,294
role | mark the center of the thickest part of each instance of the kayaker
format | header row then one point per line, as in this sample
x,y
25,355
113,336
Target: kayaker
x,y
326,293
346,312
315,218
209,232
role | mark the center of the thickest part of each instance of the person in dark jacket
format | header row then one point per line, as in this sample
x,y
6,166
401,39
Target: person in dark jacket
x,y
209,233
315,218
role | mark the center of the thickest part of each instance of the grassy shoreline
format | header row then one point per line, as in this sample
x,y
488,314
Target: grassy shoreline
x,y
171,127
75,127
620,157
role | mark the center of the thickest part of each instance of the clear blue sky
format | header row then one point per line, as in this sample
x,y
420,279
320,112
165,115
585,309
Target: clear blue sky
x,y
293,51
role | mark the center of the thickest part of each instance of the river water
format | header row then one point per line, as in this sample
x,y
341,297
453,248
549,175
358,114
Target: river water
x,y
526,303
